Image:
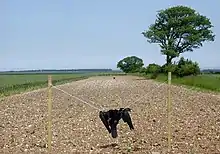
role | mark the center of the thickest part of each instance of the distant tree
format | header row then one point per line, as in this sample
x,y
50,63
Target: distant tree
x,y
130,64
179,29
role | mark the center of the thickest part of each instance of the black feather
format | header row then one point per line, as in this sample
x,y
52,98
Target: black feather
x,y
104,118
126,117
111,118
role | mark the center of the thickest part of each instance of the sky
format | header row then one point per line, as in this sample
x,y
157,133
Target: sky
x,y
79,34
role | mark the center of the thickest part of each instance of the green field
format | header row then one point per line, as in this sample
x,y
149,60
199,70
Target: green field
x,y
11,84
201,82
17,83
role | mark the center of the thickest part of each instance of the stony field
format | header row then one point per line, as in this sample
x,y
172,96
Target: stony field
x,y
77,128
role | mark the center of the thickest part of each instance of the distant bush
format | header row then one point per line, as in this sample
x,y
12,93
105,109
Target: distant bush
x,y
186,67
169,68
154,75
153,68
143,70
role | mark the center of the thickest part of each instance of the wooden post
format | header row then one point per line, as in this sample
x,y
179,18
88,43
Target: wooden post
x,y
49,112
169,112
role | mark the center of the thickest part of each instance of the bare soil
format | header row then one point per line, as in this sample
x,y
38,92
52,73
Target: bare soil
x,y
77,128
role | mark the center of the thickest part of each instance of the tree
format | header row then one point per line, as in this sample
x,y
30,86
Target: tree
x,y
179,29
130,64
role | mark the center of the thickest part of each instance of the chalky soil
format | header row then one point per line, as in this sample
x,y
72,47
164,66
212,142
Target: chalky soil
x,y
76,127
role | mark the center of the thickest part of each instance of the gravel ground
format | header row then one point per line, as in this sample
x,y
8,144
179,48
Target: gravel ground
x,y
77,128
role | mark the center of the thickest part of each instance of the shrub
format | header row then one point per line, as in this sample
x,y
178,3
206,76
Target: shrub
x,y
169,68
154,75
143,70
186,68
153,68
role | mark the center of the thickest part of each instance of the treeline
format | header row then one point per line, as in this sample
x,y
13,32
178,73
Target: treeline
x,y
63,70
211,71
184,67
56,71
181,68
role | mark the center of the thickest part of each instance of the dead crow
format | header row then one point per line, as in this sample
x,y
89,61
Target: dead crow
x,y
111,118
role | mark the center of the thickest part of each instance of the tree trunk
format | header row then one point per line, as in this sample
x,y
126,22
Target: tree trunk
x,y
169,60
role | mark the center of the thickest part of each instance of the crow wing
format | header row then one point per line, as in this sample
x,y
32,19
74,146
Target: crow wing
x,y
104,118
126,118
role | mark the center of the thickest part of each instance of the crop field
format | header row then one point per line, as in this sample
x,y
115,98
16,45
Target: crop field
x,y
10,80
10,84
208,82
17,83
76,127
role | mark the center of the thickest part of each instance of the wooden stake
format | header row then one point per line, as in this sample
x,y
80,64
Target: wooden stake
x,y
169,112
49,112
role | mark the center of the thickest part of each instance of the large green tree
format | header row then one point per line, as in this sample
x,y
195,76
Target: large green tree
x,y
179,29
130,64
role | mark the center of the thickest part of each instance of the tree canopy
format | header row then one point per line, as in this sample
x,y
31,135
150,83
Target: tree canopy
x,y
179,29
130,64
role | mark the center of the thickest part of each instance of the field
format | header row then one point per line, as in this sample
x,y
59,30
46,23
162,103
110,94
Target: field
x,y
77,128
10,84
207,82
17,83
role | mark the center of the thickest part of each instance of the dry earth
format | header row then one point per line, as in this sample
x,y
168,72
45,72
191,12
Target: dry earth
x,y
77,128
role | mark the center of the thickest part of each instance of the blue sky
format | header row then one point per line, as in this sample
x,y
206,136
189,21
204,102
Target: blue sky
x,y
56,34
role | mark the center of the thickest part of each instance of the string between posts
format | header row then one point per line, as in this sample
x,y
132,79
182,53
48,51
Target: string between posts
x,y
95,103
146,94
77,98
